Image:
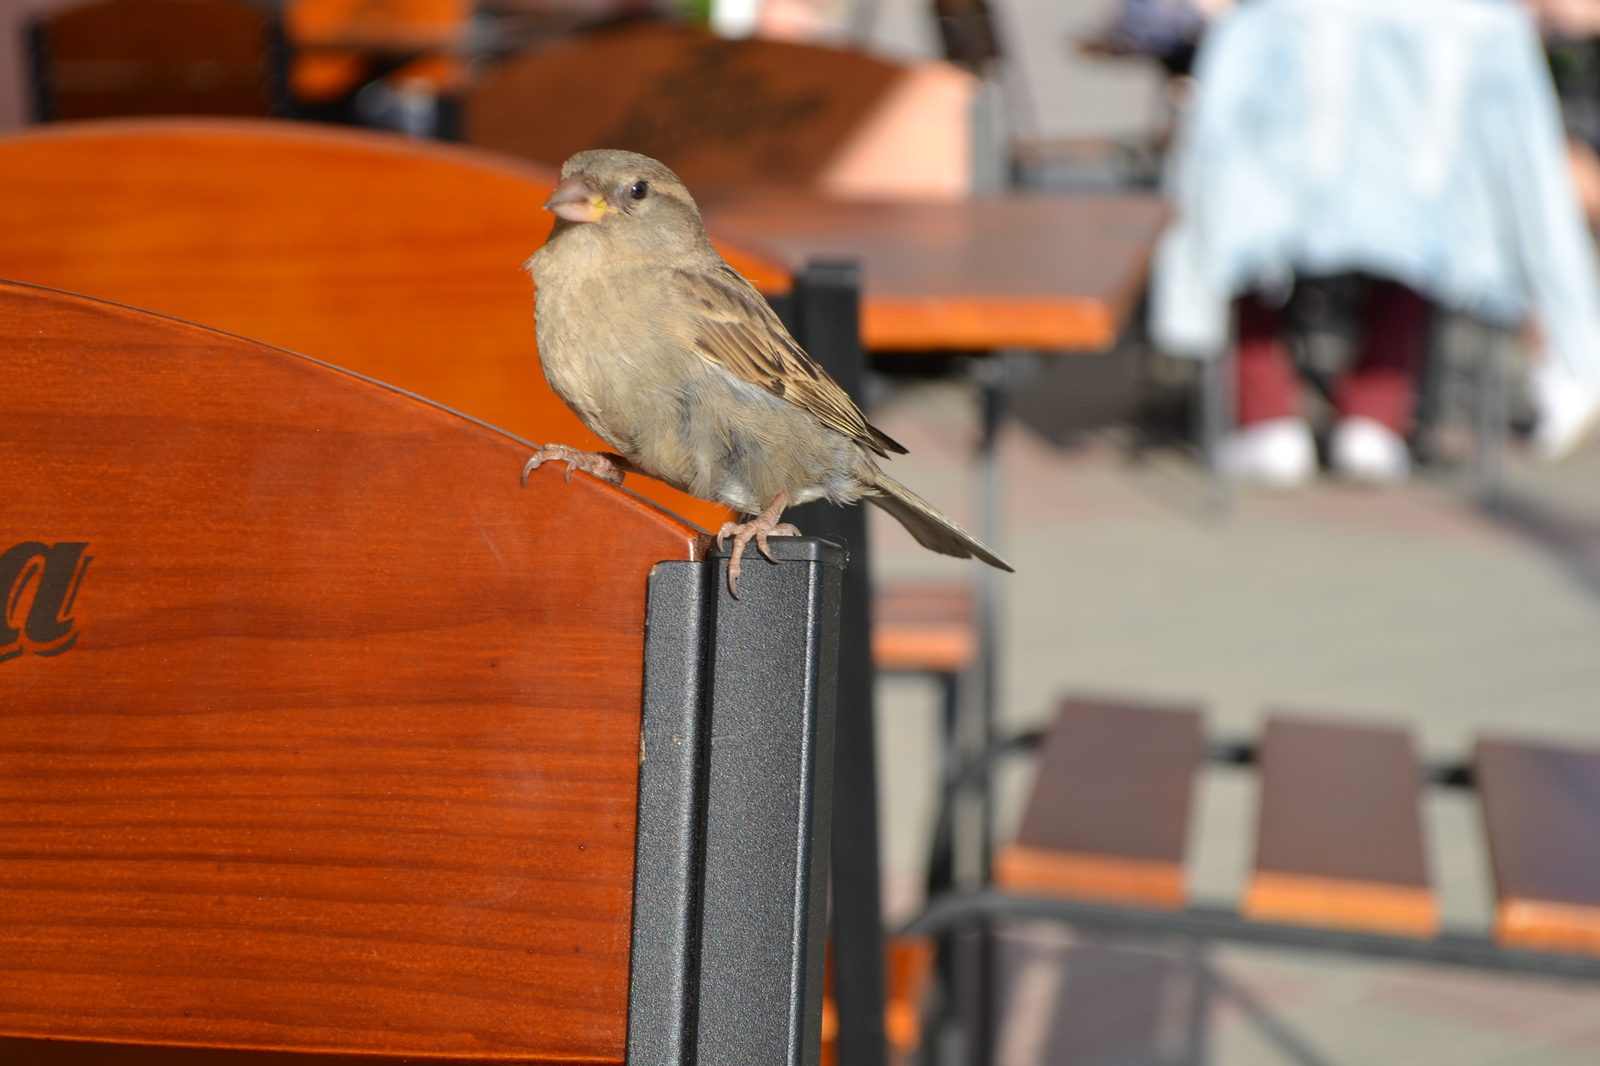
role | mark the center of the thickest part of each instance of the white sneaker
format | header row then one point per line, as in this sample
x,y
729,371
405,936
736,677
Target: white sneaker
x,y
1568,410
1363,449
1278,453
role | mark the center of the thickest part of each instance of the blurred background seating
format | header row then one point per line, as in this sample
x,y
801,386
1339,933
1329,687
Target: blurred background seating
x,y
735,113
155,57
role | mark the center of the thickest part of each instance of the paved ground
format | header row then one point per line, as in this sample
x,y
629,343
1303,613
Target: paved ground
x,y
1405,605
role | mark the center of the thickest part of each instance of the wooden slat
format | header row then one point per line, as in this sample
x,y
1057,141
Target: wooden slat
x,y
1057,273
923,626
1109,815
397,259
1541,806
1339,839
335,746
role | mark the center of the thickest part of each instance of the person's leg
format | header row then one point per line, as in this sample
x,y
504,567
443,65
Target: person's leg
x,y
1376,400
1268,387
1382,385
1273,444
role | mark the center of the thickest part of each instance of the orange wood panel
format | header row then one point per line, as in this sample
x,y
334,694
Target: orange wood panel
x,y
923,626
1540,925
907,971
1112,879
907,967
1342,903
386,25
317,731
890,323
1055,273
397,259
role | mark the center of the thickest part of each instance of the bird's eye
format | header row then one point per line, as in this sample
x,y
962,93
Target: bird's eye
x,y
640,190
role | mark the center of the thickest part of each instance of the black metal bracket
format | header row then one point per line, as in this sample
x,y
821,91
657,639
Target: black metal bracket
x,y
735,805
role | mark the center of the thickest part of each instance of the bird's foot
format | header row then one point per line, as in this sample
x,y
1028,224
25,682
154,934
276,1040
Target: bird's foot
x,y
759,528
607,466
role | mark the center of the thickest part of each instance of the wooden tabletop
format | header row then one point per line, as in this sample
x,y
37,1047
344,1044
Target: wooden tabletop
x,y
1027,271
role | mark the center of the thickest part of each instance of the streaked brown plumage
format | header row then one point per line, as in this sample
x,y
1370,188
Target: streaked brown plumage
x,y
677,362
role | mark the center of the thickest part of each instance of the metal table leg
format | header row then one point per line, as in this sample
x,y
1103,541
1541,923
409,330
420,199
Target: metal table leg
x,y
825,318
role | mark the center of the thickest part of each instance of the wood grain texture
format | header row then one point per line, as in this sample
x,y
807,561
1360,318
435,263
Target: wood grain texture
x,y
1339,838
717,111
1054,273
1109,814
1541,807
396,259
343,753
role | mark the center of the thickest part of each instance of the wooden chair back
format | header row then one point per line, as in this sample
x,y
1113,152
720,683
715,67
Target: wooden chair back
x,y
285,648
396,259
152,57
719,112
323,735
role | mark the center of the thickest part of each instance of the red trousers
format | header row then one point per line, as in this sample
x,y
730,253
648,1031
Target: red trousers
x,y
1381,385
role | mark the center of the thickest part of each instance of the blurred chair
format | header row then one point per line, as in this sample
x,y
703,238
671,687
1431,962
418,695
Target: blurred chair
x,y
735,113
154,57
389,64
324,736
1341,860
399,260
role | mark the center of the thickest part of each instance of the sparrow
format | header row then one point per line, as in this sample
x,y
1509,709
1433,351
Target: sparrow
x,y
673,359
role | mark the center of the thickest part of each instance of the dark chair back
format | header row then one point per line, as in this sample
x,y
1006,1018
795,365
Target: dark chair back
x,y
153,57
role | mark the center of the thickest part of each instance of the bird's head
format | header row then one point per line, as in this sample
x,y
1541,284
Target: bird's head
x,y
620,190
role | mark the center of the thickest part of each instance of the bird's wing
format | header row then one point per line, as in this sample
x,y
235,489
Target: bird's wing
x,y
734,328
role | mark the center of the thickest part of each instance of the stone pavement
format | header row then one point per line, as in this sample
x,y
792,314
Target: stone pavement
x,y
1408,605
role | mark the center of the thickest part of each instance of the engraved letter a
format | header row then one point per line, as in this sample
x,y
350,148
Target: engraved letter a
x,y
53,574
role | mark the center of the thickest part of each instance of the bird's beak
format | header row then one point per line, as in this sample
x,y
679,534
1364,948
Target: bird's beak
x,y
576,201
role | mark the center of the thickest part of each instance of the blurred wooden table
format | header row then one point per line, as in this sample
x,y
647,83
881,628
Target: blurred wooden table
x,y
1050,273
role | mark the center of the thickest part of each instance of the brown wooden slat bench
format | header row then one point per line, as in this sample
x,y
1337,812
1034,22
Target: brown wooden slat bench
x,y
1109,816
324,736
1541,808
1339,835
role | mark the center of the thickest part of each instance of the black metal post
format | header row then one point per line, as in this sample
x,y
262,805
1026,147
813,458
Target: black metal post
x,y
825,317
768,810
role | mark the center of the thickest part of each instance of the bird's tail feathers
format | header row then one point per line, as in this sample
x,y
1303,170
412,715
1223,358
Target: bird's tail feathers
x,y
933,530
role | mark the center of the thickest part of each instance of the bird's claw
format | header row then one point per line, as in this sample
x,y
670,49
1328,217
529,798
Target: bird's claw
x,y
598,464
783,529
757,529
